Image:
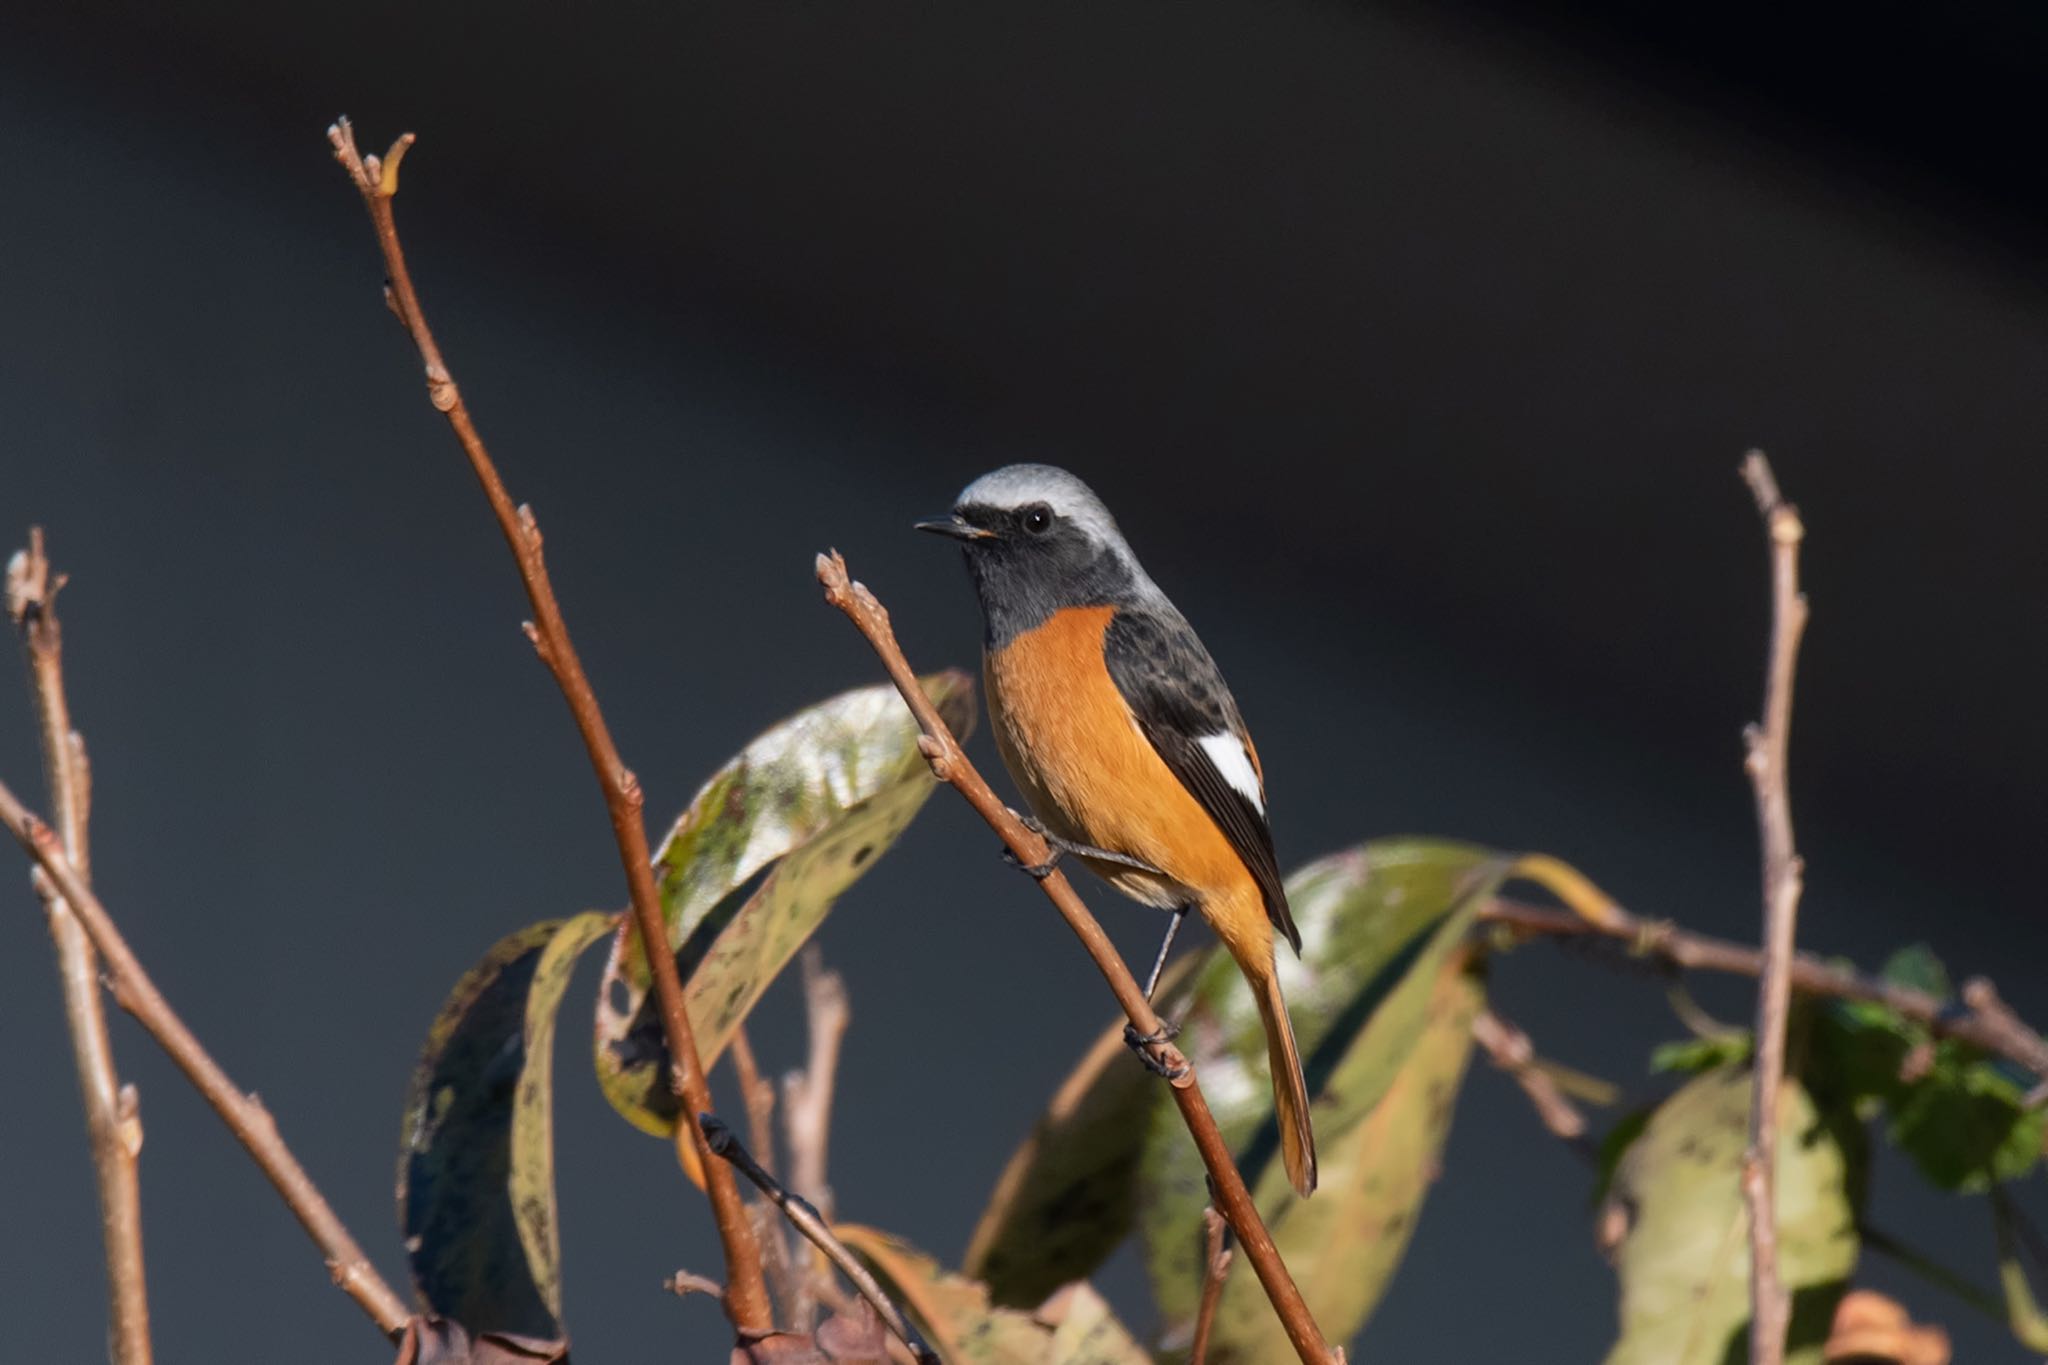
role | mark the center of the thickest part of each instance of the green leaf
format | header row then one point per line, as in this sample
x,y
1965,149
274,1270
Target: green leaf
x,y
1074,1327
806,808
1958,1114
1917,968
476,1173
1965,1124
1344,1244
1690,1056
1855,1052
1684,1262
1625,1133
1378,924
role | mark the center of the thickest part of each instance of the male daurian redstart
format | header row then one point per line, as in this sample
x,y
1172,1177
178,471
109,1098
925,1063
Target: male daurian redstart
x,y
1117,726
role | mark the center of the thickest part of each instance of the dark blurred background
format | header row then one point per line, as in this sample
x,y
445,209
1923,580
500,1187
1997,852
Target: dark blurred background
x,y
1415,347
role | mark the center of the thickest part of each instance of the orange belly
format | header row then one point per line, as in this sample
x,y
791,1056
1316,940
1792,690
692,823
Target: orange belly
x,y
1088,772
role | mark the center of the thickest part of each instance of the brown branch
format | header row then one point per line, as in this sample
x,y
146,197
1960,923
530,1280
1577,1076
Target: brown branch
x,y
112,1125
805,1219
1509,1048
1215,1265
1997,1031
807,1103
949,763
1783,876
746,1297
244,1115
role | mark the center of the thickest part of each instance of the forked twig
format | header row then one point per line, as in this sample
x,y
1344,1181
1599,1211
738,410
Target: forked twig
x,y
949,763
1783,877
746,1295
113,1125
725,1144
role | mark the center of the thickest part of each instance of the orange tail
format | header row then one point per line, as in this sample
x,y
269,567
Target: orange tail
x,y
1290,1087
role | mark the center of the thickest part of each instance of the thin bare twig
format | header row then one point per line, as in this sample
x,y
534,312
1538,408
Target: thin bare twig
x,y
684,1283
1215,1265
807,1094
1783,877
807,1105
1998,1031
113,1124
805,1219
1511,1051
244,1115
942,750
746,1296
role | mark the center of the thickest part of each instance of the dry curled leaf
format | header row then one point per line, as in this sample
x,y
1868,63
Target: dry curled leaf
x,y
437,1341
1871,1329
852,1337
1074,1327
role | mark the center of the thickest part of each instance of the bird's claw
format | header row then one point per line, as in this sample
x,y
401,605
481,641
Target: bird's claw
x,y
1038,872
1145,1045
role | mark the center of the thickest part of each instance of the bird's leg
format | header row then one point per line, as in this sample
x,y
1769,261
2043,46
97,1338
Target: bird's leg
x,y
1061,847
1180,912
1143,1043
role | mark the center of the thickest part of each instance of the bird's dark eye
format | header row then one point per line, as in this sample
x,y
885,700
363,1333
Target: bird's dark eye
x,y
1038,519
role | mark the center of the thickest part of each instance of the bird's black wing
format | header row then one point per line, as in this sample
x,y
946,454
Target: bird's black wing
x,y
1178,696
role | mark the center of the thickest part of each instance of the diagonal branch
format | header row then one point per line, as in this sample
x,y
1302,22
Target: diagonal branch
x,y
113,1128
805,1220
949,763
1783,878
244,1115
746,1296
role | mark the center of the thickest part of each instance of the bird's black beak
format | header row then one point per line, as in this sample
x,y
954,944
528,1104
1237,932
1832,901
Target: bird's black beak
x,y
954,527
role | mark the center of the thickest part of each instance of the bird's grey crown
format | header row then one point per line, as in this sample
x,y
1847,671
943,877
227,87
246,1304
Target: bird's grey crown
x,y
1020,485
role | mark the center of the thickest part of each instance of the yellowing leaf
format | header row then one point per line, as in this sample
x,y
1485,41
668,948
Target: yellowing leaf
x,y
810,804
1070,1193
476,1175
1344,1244
1378,924
1684,1260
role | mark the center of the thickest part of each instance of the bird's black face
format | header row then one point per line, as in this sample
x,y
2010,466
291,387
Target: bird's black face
x,y
1029,561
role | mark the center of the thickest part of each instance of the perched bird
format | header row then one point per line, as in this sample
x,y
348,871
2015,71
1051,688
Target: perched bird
x,y
1128,747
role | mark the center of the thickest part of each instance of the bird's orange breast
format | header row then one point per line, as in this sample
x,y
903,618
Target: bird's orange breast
x,y
1069,739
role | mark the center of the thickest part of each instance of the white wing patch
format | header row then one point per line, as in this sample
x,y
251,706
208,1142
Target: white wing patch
x,y
1226,751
